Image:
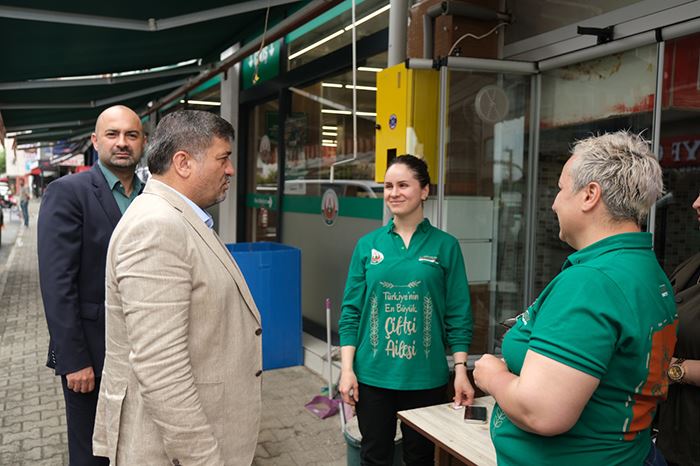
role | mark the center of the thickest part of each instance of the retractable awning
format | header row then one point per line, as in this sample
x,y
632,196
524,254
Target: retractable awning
x,y
44,39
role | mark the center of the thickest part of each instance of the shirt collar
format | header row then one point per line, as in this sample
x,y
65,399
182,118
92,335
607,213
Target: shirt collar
x,y
201,213
422,226
112,179
636,240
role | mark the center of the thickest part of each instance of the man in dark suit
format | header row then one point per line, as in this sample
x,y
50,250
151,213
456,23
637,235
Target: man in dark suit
x,y
77,216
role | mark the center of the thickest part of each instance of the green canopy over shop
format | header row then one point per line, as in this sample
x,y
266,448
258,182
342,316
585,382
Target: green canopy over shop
x,y
129,52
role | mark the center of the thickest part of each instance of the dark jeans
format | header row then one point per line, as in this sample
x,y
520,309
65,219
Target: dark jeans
x,y
376,416
80,417
654,458
24,205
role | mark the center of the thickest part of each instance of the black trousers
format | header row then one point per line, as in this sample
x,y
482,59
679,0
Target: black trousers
x,y
376,415
80,417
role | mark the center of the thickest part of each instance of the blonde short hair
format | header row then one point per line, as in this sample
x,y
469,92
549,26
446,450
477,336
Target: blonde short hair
x,y
625,168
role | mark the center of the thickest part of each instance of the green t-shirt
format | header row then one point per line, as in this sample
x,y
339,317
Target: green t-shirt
x,y
610,313
403,306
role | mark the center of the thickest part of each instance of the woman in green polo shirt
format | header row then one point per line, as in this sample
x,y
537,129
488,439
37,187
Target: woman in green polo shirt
x,y
406,300
585,365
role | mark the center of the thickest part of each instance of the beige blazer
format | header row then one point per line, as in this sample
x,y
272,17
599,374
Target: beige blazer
x,y
182,375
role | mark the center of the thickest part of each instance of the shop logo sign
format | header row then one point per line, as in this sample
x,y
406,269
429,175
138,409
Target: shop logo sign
x,y
393,121
329,207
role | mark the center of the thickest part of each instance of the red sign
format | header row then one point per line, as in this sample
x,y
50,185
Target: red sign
x,y
680,151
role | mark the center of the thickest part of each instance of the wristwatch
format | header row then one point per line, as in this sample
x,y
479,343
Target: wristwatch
x,y
676,371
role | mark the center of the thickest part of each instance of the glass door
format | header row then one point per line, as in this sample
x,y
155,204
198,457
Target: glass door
x,y
486,173
262,176
677,236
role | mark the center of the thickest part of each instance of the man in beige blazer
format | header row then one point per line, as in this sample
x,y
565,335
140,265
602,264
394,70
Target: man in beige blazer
x,y
181,382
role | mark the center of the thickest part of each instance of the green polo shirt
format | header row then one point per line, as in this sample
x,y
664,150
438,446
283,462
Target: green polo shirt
x,y
403,307
123,201
611,314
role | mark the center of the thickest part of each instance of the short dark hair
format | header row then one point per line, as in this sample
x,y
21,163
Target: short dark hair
x,y
191,131
416,165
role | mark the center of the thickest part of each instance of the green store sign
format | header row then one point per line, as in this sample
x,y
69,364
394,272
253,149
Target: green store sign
x,y
257,201
268,64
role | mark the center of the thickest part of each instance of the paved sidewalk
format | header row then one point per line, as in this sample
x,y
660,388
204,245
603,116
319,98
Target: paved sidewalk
x,y
32,419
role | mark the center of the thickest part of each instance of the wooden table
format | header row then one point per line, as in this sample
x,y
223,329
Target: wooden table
x,y
466,442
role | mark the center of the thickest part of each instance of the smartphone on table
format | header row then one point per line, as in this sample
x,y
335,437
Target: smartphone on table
x,y
475,414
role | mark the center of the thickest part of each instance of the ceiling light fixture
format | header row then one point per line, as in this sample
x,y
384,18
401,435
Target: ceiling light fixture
x,y
369,16
341,31
201,102
316,44
362,88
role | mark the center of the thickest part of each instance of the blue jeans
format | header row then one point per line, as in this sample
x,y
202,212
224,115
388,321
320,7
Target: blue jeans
x,y
654,458
24,205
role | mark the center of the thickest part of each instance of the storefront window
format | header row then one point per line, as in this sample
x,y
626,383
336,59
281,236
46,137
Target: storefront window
x,y
486,192
319,133
332,30
606,94
677,236
322,218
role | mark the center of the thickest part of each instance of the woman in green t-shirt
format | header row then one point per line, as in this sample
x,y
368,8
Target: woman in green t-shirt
x,y
406,300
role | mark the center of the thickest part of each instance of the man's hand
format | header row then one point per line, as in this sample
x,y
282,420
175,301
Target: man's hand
x,y
82,381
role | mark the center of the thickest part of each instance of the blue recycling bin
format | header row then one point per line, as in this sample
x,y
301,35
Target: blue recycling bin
x,y
273,274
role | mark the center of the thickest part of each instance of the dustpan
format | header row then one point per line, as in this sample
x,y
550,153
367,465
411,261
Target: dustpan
x,y
321,405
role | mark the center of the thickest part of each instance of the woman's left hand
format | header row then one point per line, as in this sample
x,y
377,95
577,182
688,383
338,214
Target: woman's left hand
x,y
464,392
486,368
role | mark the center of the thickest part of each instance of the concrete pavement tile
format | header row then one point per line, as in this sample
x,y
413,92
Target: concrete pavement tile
x,y
51,422
51,430
34,454
17,427
37,407
309,456
330,462
8,448
261,452
284,459
283,433
10,459
286,446
266,435
337,454
56,460
10,414
55,453
29,444
19,436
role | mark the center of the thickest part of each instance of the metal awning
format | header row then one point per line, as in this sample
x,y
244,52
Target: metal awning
x,y
43,39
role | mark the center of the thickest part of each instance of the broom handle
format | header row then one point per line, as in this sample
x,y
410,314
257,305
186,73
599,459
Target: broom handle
x,y
328,348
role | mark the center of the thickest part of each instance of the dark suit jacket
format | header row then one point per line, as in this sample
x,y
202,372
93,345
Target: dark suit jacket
x,y
77,216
